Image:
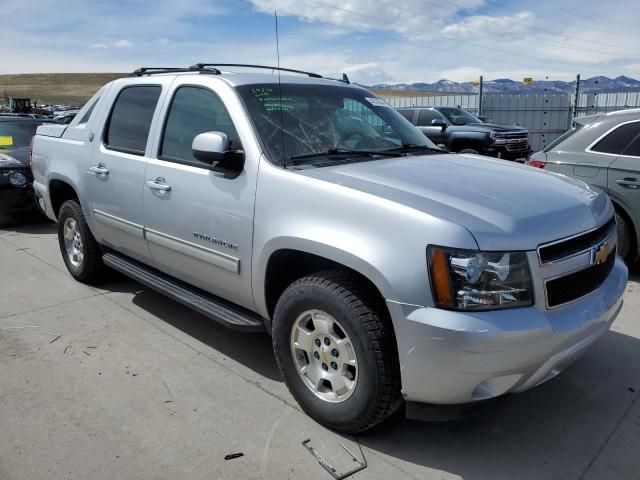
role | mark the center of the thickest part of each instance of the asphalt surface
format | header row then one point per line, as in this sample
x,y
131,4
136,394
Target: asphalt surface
x,y
118,382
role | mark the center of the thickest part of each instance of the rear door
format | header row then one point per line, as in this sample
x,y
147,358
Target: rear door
x,y
116,173
624,172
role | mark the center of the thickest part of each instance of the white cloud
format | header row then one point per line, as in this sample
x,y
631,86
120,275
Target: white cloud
x,y
121,44
484,26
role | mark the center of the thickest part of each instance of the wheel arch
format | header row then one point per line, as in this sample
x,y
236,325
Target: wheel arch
x,y
459,141
60,190
624,211
285,262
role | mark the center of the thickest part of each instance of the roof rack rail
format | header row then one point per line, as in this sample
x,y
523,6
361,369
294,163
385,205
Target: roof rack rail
x,y
200,66
159,70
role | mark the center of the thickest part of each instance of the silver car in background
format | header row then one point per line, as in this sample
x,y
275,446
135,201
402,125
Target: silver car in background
x,y
604,151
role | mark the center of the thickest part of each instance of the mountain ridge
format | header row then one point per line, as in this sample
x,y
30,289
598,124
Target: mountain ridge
x,y
598,84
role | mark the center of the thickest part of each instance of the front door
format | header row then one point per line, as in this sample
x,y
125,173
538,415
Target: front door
x,y
116,174
435,133
199,224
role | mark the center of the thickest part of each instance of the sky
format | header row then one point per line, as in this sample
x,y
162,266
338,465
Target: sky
x,y
373,41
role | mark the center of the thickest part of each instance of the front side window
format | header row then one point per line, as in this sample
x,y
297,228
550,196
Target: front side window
x,y
309,120
426,116
618,140
193,111
130,120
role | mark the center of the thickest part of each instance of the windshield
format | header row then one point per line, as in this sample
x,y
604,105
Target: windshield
x,y
15,134
309,121
458,116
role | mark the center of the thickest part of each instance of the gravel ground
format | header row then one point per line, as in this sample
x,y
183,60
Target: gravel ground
x,y
118,382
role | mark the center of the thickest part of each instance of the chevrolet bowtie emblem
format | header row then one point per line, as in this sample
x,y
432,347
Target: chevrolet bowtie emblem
x,y
600,253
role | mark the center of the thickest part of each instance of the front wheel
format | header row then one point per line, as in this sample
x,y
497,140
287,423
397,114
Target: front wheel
x,y
336,350
80,251
469,150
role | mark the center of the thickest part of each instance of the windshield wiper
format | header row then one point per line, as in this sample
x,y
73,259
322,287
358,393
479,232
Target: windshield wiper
x,y
407,147
343,151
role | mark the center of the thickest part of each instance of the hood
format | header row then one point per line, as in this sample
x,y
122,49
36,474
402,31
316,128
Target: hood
x,y
16,157
506,206
488,127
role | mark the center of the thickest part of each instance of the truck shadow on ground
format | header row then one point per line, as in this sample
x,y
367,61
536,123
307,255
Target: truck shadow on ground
x,y
253,350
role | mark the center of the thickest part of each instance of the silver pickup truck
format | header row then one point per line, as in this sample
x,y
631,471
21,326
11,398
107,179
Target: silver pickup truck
x,y
386,270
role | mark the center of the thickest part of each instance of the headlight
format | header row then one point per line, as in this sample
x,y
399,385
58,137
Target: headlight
x,y
497,138
17,179
472,280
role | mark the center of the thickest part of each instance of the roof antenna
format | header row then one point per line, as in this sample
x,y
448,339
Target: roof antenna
x,y
284,156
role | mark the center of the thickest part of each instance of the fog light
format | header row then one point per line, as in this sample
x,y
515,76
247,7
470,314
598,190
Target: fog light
x,y
17,179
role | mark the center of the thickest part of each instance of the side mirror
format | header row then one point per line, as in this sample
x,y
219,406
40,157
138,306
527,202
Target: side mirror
x,y
436,122
212,148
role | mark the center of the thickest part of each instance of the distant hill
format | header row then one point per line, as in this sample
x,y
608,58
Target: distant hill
x,y
594,84
47,88
77,88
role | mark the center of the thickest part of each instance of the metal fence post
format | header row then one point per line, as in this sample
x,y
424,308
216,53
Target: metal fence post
x,y
577,96
480,98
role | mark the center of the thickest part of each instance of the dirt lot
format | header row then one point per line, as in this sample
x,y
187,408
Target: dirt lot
x,y
117,382
66,88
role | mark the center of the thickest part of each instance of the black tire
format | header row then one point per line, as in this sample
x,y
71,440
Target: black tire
x,y
364,317
625,239
469,150
91,268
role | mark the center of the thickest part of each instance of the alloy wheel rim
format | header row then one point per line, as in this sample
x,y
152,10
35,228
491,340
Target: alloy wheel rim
x,y
324,356
73,242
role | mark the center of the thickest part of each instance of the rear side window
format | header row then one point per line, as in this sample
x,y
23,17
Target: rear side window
x,y
633,149
85,118
618,140
130,121
408,114
563,137
194,110
425,117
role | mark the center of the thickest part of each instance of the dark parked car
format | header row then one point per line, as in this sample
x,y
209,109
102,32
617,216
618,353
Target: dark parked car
x,y
16,191
462,132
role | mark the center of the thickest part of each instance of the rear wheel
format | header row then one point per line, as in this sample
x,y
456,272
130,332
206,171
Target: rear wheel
x,y
625,239
336,350
81,253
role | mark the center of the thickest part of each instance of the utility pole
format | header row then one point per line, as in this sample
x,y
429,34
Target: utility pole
x,y
480,99
577,96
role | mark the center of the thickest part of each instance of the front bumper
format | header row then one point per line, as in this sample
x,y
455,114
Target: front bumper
x,y
451,357
508,153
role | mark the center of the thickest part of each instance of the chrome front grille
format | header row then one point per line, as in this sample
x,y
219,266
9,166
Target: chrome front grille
x,y
576,266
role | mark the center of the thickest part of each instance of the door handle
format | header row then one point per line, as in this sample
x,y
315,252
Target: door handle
x,y
99,169
629,182
159,184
